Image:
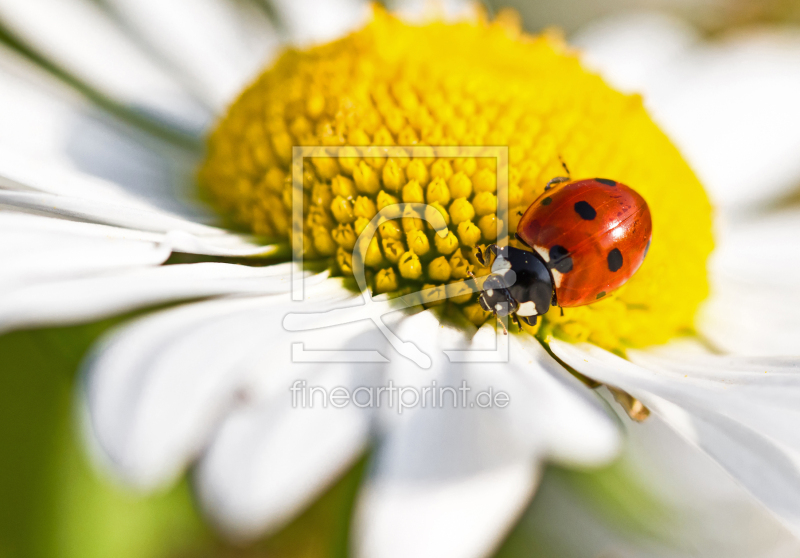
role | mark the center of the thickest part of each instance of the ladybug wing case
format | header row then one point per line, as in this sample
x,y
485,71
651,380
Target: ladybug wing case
x,y
592,234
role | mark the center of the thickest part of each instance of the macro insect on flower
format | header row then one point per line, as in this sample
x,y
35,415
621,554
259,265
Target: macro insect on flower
x,y
201,386
584,240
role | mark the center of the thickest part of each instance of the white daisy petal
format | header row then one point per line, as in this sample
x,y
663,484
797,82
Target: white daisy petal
x,y
630,49
31,258
81,39
578,429
453,480
53,122
309,22
271,459
754,307
729,105
99,211
155,388
24,228
742,412
215,45
92,298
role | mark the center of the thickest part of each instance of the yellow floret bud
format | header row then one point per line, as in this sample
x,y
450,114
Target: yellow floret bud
x,y
394,177
484,203
390,229
416,170
476,314
412,192
409,265
364,207
344,236
366,179
433,295
459,292
468,233
393,249
342,210
386,281
460,185
441,169
344,187
437,207
438,192
274,180
360,224
326,167
374,256
385,200
418,242
459,266
485,180
348,159
344,259
446,245
461,210
439,269
323,243
465,165
488,226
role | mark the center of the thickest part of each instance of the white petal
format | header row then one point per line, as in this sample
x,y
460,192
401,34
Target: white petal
x,y
630,49
31,258
131,215
728,104
91,298
452,481
677,505
754,307
269,460
424,11
307,21
157,387
742,412
215,45
81,39
52,122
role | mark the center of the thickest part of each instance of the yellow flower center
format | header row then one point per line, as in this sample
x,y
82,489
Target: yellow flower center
x,y
473,83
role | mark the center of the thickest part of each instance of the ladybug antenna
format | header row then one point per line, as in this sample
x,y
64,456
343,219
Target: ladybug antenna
x,y
564,165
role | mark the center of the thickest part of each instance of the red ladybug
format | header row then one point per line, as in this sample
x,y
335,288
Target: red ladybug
x,y
586,239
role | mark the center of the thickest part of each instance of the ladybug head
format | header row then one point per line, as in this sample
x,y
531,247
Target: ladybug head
x,y
520,283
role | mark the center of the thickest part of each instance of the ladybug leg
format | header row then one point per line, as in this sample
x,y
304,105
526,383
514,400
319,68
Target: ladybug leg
x,y
557,180
562,311
482,257
529,320
499,321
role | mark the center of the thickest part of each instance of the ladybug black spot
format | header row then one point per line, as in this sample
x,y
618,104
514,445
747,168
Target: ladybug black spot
x,y
606,181
601,294
585,210
547,201
614,260
560,260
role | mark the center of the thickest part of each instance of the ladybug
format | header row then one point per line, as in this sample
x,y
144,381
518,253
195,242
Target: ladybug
x,y
586,238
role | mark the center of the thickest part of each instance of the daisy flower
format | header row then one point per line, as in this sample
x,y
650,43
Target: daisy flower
x,y
208,383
